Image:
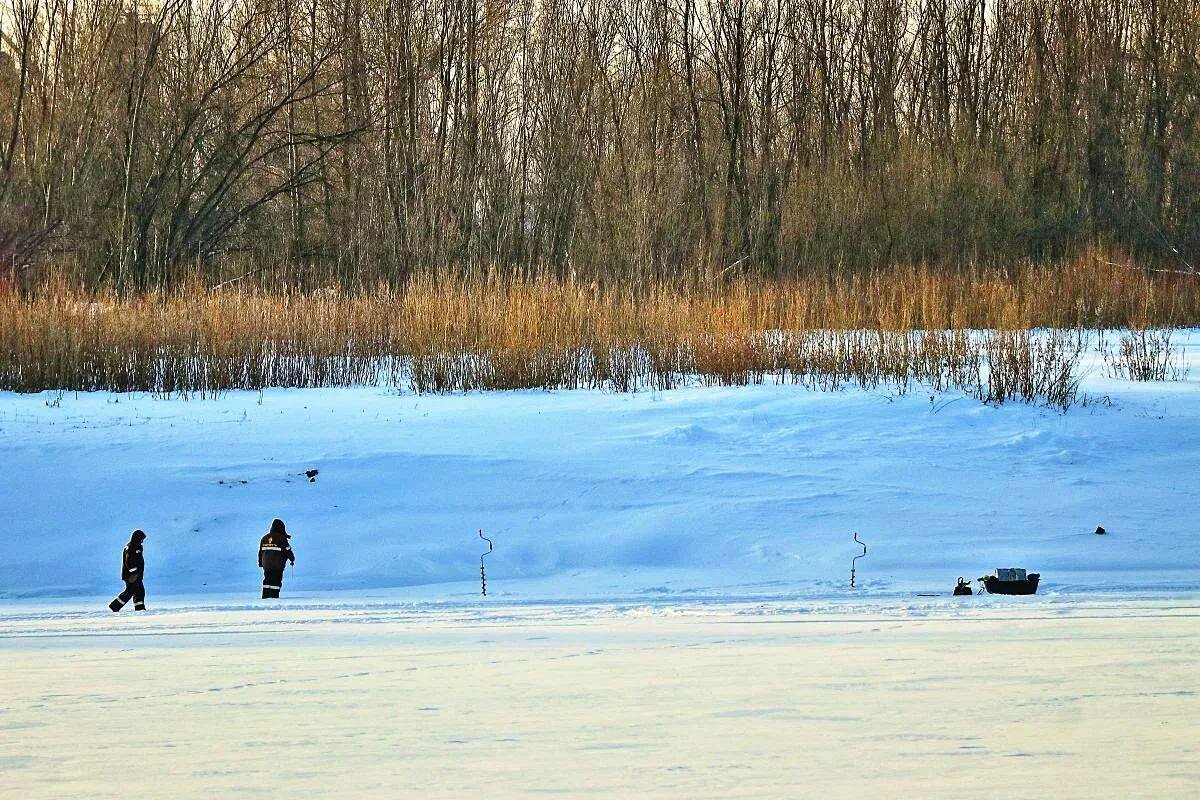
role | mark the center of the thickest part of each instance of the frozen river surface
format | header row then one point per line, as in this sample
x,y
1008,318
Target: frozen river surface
x,y
982,697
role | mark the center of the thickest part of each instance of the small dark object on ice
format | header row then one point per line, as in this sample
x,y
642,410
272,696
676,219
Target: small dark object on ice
x,y
312,474
1011,581
963,588
1100,531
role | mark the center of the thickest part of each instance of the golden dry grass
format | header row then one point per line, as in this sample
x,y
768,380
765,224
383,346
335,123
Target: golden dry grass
x,y
510,331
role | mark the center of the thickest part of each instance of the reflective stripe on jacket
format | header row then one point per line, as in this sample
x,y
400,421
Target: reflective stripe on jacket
x,y
274,552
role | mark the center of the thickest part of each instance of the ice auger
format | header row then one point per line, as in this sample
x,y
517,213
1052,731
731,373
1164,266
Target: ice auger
x,y
854,561
482,569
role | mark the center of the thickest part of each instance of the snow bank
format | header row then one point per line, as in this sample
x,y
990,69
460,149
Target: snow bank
x,y
697,492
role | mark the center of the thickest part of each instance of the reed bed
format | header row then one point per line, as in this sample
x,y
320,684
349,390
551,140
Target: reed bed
x,y
967,331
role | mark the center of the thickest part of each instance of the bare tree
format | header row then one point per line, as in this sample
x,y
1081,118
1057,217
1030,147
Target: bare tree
x,y
353,139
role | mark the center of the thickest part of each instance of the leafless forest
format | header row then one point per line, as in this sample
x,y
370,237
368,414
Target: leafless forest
x,y
351,141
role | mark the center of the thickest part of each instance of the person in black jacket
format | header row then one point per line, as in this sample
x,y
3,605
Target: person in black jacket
x,y
274,553
133,572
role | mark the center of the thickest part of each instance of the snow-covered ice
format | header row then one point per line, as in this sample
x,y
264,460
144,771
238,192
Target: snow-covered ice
x,y
981,697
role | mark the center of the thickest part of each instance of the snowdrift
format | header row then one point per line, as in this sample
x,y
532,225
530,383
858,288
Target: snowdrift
x,y
695,493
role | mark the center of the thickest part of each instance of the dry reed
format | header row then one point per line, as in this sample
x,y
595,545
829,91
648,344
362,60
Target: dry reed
x,y
438,334
1146,355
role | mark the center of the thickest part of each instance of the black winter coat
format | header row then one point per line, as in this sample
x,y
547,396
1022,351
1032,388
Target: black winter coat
x,y
274,551
133,564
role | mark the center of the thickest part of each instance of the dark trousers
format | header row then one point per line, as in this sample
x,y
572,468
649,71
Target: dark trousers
x,y
134,590
272,582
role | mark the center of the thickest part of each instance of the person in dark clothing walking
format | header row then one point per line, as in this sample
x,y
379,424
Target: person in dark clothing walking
x,y
274,553
133,572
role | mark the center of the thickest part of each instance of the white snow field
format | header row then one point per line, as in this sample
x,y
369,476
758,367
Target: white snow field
x,y
668,609
979,697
